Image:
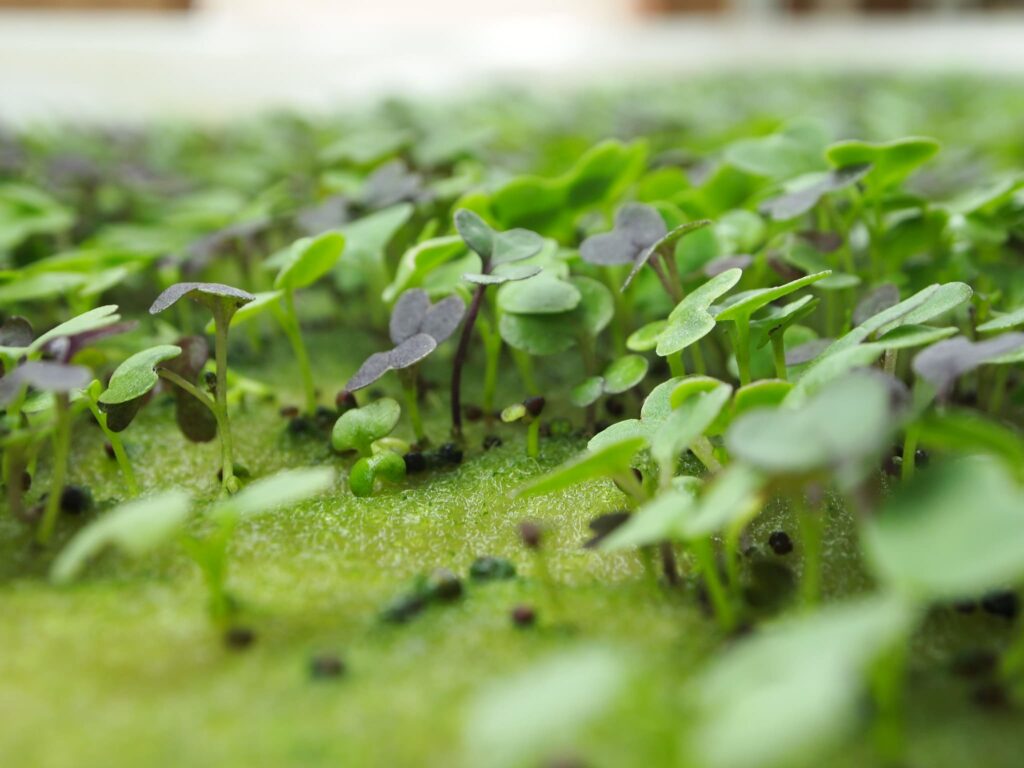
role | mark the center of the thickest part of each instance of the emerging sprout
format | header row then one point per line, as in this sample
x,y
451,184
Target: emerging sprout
x,y
417,328
222,301
210,552
357,429
527,412
498,252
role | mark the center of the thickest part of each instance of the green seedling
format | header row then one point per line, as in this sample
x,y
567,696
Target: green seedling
x,y
222,301
268,494
528,412
365,431
417,328
738,311
500,254
115,407
61,381
619,376
691,320
613,460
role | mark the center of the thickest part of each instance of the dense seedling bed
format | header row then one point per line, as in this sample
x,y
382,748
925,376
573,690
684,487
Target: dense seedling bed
x,y
670,426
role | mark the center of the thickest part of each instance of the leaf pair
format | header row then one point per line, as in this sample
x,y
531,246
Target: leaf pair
x,y
417,327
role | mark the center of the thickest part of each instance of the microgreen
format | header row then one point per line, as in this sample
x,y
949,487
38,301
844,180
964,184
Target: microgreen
x,y
417,328
690,320
613,460
357,429
222,301
499,253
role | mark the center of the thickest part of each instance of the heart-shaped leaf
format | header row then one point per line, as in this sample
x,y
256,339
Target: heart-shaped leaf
x,y
356,429
309,259
383,466
846,423
799,201
691,321
413,314
924,545
663,246
130,382
408,353
637,228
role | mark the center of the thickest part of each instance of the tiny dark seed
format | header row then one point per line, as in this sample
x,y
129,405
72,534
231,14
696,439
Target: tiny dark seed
x,y
289,411
344,401
239,638
531,534
975,662
450,453
74,500
325,666
444,585
1003,603
300,425
324,417
523,616
534,405
491,441
415,462
489,568
403,608
780,543
473,412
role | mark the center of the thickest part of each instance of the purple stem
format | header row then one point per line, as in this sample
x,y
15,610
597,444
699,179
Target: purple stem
x,y
460,358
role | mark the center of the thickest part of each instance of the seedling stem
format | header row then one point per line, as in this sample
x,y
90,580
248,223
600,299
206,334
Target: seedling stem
x,y
61,448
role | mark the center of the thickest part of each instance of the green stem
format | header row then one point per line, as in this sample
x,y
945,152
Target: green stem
x,y
492,362
290,324
525,365
887,689
779,355
533,439
698,358
811,525
705,452
739,336
117,445
998,390
704,552
61,448
676,365
222,321
410,387
910,439
889,360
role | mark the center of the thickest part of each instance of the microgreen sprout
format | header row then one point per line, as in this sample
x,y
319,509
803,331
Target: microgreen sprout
x,y
417,328
527,412
498,252
222,301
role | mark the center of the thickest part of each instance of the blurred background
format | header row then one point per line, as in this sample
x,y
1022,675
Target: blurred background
x,y
131,60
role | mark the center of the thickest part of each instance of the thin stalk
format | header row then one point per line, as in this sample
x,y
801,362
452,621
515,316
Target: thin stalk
x,y
290,325
629,485
221,321
887,690
698,358
704,552
889,360
705,452
492,362
525,365
533,439
676,365
910,438
674,291
810,522
998,389
460,358
668,563
117,445
779,355
739,336
410,388
61,448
